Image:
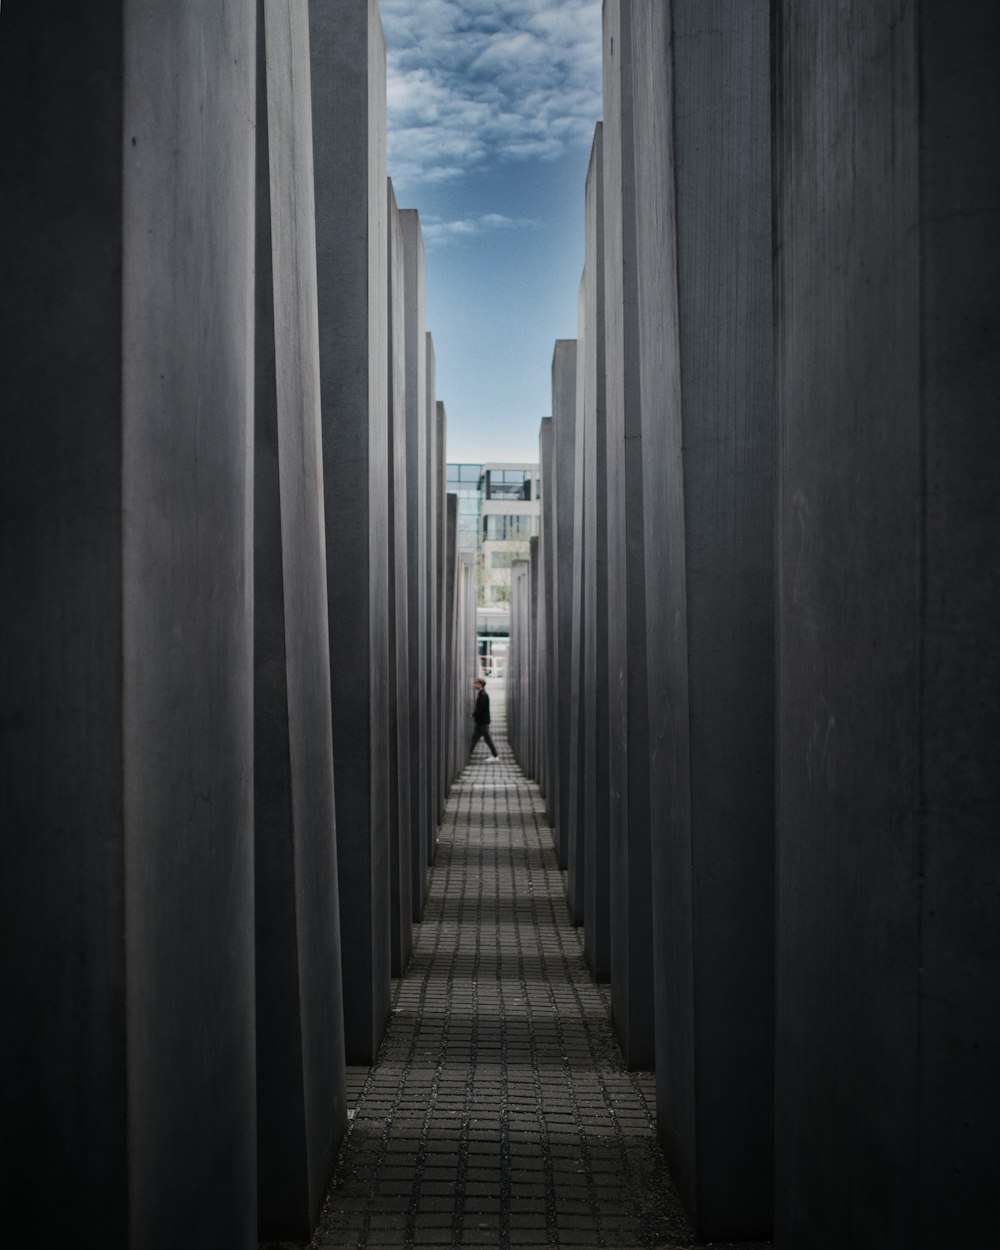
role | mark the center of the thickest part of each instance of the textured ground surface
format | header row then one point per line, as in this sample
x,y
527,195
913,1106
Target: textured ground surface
x,y
500,1112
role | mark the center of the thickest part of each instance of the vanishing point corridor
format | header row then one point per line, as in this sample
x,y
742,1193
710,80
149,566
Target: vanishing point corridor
x,y
499,1112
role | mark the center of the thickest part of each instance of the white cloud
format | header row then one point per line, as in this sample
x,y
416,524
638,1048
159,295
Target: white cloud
x,y
474,82
437,232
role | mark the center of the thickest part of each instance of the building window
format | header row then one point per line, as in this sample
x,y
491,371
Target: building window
x,y
497,527
507,484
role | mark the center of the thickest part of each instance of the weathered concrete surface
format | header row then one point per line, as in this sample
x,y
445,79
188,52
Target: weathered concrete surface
x,y
531,639
521,597
348,89
440,637
550,694
597,819
564,437
416,508
709,574
450,622
581,729
622,943
430,678
127,801
401,853
887,202
301,1102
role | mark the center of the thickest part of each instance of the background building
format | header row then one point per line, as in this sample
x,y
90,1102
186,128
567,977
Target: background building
x,y
498,513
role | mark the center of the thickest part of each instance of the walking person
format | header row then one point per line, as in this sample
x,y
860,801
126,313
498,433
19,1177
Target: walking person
x,y
481,715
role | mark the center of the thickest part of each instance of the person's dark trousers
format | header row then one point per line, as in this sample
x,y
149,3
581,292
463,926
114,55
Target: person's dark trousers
x,y
482,731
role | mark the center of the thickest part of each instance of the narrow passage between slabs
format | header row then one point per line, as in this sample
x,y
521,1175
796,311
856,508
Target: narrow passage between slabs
x,y
499,1112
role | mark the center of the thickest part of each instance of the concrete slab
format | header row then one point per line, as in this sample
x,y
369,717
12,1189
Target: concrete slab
x,y
550,694
564,437
581,727
531,639
451,620
432,480
348,88
301,1100
886,201
127,791
440,635
698,139
400,815
416,529
597,821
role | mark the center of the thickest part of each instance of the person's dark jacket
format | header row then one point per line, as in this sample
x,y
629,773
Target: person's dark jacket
x,y
481,715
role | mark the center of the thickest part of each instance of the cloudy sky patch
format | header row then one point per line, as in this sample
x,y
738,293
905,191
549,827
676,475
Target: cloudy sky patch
x,y
472,82
492,108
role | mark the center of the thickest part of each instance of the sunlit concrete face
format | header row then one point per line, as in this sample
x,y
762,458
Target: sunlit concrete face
x,y
699,137
415,338
400,813
301,1101
348,90
128,805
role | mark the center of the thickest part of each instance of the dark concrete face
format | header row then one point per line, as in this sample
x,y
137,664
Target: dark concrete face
x,y
580,724
550,692
564,437
301,1102
416,531
440,638
451,617
600,732
887,522
531,641
707,415
431,591
127,798
401,857
620,834
519,664
348,89
188,720
60,78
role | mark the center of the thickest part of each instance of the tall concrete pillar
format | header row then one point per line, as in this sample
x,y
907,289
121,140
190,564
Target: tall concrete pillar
x,y
581,726
416,506
564,438
515,659
431,592
531,639
348,89
550,694
690,101
401,853
888,793
597,816
301,1099
440,639
450,617
126,384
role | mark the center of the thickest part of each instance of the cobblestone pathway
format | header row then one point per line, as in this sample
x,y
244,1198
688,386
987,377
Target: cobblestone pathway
x,y
499,1112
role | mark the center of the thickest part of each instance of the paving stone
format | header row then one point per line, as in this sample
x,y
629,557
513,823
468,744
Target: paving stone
x,y
500,1111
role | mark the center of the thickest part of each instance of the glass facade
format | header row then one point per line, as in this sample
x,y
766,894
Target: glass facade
x,y
501,527
465,481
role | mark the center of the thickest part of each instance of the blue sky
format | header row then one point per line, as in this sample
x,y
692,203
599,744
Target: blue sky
x,y
492,107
